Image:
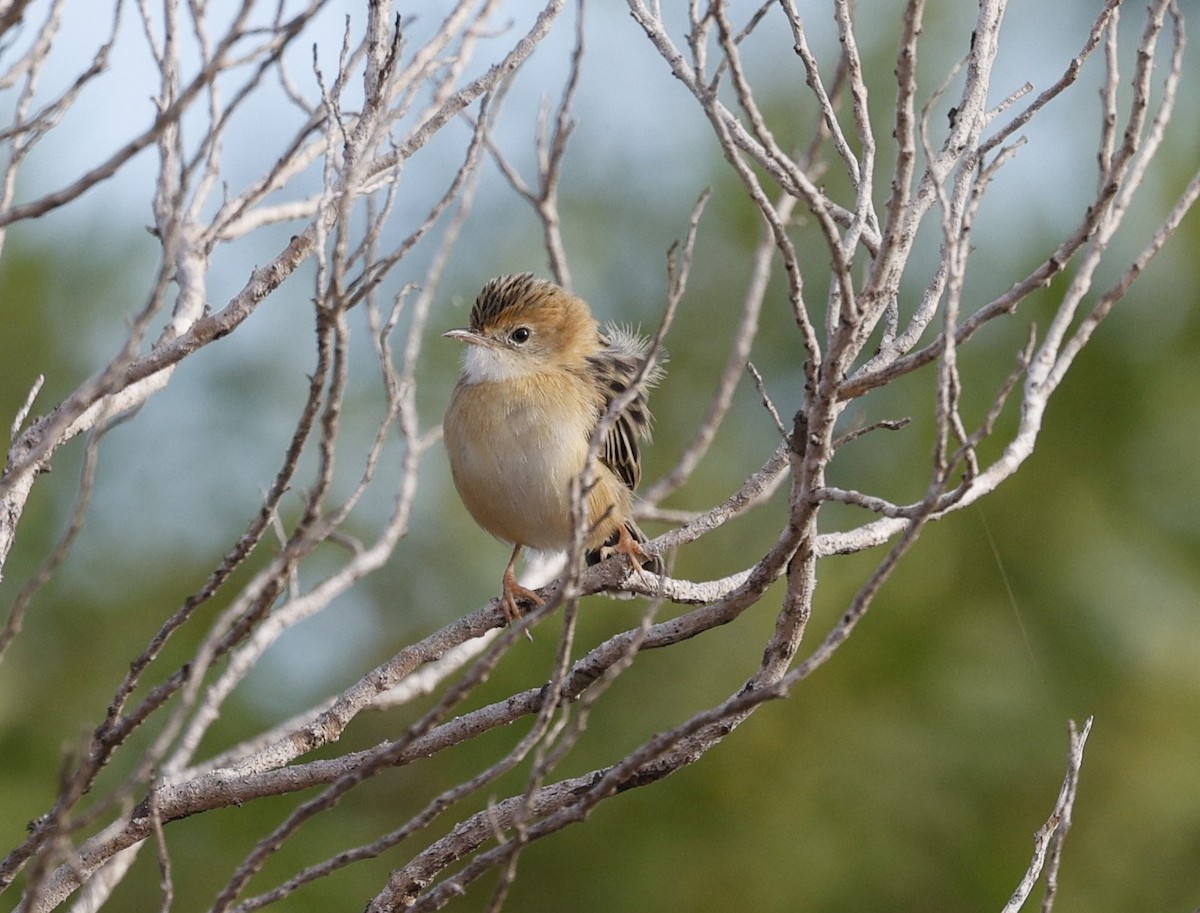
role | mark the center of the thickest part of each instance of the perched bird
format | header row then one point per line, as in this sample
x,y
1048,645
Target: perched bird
x,y
537,377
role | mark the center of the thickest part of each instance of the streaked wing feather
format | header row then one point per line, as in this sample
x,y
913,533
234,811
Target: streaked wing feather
x,y
615,368
620,452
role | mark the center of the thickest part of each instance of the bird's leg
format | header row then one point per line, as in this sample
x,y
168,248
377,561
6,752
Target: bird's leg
x,y
514,591
628,546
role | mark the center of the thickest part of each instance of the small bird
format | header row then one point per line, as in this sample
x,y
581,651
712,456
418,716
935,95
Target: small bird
x,y
537,377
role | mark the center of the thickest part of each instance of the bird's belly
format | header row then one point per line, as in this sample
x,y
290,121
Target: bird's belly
x,y
514,472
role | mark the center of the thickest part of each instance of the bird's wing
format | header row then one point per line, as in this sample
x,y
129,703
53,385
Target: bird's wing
x,y
616,367
621,453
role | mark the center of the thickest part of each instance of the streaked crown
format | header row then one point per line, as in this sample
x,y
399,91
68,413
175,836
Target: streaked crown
x,y
506,294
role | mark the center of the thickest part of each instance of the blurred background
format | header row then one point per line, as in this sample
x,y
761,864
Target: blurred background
x,y
911,772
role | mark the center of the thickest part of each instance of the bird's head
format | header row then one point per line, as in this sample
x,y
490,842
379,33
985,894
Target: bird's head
x,y
522,326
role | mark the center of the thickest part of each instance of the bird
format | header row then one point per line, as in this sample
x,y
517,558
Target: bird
x,y
538,374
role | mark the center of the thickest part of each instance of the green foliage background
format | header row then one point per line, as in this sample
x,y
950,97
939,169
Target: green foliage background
x,y
908,775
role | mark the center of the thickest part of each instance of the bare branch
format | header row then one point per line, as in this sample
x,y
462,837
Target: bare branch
x,y
365,186
1052,834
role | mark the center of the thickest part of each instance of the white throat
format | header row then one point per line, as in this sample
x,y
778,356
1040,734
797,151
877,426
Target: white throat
x,y
484,364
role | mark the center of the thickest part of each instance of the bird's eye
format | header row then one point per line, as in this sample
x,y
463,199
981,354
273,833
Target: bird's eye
x,y
520,335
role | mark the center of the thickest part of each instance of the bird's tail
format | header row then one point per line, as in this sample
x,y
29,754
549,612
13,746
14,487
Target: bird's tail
x,y
651,563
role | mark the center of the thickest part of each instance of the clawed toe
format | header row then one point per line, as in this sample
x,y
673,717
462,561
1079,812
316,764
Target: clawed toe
x,y
631,548
512,592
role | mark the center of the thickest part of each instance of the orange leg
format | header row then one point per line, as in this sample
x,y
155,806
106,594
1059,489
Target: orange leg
x,y
513,591
630,548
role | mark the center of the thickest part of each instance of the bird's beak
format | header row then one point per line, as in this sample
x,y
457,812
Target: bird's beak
x,y
468,336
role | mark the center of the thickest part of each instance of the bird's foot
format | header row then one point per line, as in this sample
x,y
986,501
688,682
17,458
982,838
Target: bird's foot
x,y
631,548
512,591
